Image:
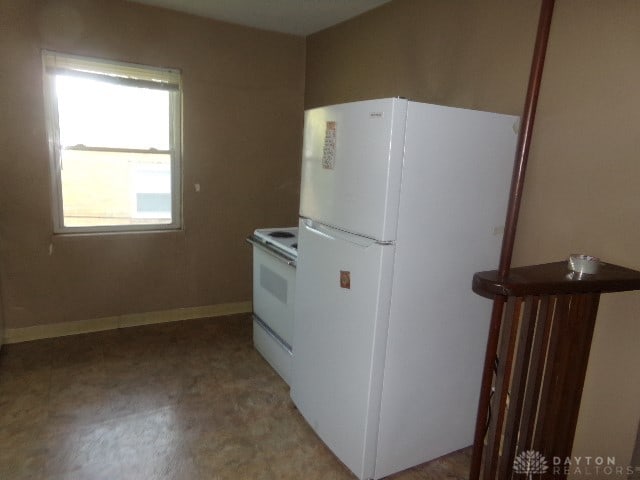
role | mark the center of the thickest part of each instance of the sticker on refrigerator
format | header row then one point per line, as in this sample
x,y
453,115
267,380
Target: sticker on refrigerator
x,y
329,150
345,279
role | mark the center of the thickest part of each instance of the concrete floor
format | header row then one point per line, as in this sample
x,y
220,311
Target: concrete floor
x,y
185,400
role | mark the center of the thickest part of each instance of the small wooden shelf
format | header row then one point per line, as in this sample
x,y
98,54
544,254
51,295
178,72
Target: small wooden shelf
x,y
555,278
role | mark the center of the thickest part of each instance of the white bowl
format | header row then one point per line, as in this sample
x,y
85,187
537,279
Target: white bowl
x,y
584,263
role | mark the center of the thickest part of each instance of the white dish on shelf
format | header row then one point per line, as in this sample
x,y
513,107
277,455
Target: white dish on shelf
x,y
584,264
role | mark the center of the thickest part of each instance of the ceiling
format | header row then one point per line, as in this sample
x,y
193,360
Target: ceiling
x,y
298,17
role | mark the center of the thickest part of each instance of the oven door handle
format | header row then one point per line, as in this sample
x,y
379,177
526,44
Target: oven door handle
x,y
274,253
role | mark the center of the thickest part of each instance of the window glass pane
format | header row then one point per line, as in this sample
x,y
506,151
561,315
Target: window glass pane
x,y
154,203
115,188
102,114
152,187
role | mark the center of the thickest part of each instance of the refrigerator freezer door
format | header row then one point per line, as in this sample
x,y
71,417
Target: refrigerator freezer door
x,y
341,312
351,166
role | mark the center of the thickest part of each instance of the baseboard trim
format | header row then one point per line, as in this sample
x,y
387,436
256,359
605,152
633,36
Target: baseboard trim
x,y
38,332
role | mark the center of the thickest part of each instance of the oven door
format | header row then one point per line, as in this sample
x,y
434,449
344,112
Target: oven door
x,y
273,292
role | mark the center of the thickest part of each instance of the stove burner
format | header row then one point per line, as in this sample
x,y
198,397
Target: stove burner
x,y
295,245
281,235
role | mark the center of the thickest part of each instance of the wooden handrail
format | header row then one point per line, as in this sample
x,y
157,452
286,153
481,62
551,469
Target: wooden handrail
x,y
524,136
508,239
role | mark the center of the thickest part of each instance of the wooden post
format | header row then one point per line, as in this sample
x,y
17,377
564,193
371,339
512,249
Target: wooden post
x,y
513,210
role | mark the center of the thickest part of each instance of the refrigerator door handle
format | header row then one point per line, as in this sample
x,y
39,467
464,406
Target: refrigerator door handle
x,y
309,225
334,234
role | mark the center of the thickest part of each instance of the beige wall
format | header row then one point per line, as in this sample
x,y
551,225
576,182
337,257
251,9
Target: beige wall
x,y
2,326
471,53
242,108
581,193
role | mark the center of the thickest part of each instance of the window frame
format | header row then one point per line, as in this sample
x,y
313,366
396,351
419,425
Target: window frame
x,y
131,74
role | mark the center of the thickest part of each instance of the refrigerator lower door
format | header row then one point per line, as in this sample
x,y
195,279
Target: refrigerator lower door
x,y
341,311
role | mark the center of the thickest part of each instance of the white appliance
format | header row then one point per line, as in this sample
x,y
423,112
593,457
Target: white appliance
x,y
274,279
401,202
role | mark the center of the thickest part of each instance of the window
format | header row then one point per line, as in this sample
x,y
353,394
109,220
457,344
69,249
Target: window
x,y
114,138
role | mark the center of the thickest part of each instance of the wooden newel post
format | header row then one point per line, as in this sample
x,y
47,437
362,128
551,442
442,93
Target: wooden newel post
x,y
544,338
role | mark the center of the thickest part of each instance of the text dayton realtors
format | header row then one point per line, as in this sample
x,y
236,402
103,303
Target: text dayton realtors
x,y
590,466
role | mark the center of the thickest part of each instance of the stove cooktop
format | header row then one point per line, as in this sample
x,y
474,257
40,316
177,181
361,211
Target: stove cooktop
x,y
285,239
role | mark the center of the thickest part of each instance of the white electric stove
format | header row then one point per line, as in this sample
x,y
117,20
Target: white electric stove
x,y
274,277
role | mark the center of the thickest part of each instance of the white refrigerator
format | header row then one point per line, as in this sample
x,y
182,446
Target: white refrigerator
x,y
401,202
